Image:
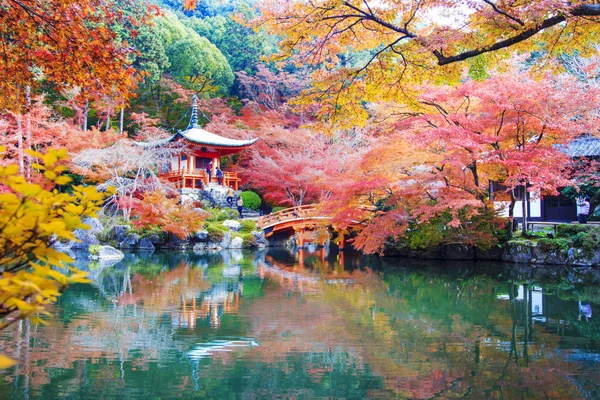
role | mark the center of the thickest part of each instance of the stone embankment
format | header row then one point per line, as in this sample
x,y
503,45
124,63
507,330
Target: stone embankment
x,y
522,251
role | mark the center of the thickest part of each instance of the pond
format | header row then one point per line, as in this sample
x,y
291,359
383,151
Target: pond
x,y
312,325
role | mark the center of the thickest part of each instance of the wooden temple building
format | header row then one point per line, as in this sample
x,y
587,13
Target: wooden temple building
x,y
202,149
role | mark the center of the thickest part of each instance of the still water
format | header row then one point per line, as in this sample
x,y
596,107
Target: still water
x,y
278,325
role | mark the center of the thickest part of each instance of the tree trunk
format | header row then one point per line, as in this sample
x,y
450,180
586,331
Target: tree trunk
x,y
524,208
121,120
28,131
85,115
107,120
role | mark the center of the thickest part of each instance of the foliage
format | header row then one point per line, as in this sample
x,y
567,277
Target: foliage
x,y
198,64
589,242
249,240
547,244
410,43
248,225
275,209
251,200
216,232
68,44
155,209
570,230
33,217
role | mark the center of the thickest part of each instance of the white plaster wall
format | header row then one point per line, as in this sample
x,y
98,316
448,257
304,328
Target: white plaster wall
x,y
535,208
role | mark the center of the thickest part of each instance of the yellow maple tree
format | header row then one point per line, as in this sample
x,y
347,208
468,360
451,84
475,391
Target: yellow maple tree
x,y
32,218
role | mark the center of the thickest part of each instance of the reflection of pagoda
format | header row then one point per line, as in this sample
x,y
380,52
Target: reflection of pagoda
x,y
202,149
222,298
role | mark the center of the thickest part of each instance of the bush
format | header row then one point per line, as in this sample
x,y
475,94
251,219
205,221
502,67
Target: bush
x,y
216,233
228,213
249,240
248,225
251,200
588,242
570,230
553,244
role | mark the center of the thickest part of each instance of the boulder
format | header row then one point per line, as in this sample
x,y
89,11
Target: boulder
x,y
226,241
458,252
119,232
106,253
236,243
86,238
259,236
95,225
130,241
517,252
200,247
232,224
201,236
146,244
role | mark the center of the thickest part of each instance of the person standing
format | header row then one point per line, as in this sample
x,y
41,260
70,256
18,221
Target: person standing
x,y
230,194
209,170
219,175
583,210
240,206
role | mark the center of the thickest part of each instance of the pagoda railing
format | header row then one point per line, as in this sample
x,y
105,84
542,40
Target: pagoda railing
x,y
198,178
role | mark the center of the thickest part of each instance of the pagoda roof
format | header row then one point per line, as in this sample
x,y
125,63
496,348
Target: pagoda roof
x,y
199,136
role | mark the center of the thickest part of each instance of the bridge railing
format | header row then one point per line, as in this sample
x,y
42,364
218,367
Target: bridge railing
x,y
286,214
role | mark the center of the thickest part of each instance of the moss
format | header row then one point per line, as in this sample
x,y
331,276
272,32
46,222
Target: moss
x,y
216,232
248,240
571,230
248,225
589,242
547,244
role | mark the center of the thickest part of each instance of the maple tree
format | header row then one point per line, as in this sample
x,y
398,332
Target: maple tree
x,y
32,218
430,167
155,208
365,50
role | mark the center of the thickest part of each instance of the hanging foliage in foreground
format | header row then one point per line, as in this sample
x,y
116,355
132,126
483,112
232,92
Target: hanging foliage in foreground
x,y
32,218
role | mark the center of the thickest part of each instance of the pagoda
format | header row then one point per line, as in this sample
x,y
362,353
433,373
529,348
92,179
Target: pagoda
x,y
188,169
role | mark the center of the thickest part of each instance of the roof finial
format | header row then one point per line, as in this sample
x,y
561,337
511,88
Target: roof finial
x,y
194,117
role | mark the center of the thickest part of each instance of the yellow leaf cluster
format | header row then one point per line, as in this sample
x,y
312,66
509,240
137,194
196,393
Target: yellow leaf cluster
x,y
33,217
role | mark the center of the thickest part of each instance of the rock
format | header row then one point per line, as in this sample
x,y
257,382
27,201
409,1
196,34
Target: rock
x,y
146,244
200,247
177,243
106,253
236,243
86,239
458,252
260,237
493,253
226,241
130,242
517,252
119,232
95,225
201,236
232,224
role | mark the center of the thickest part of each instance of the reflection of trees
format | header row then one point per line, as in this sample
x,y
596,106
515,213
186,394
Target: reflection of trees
x,y
324,330
426,334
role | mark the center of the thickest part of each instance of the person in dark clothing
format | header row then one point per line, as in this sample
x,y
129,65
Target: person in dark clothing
x,y
240,206
219,175
209,170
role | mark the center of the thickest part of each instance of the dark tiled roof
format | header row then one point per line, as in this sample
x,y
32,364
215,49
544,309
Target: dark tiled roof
x,y
583,146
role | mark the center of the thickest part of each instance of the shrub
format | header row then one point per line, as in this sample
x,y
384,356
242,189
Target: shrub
x,y
248,225
588,242
251,200
228,213
570,230
553,244
215,233
275,209
249,240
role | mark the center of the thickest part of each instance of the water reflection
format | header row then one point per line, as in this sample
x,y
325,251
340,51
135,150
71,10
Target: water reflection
x,y
312,324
